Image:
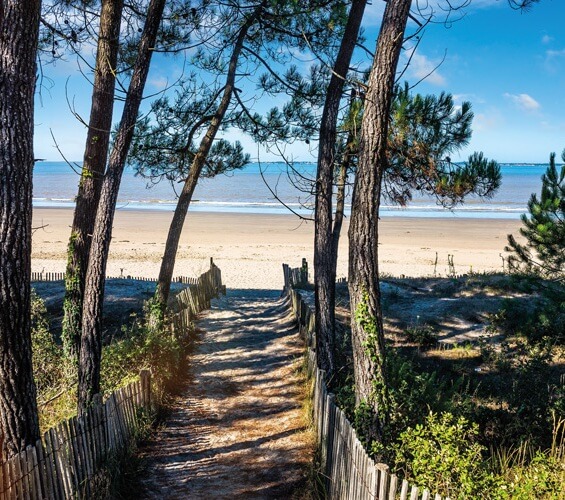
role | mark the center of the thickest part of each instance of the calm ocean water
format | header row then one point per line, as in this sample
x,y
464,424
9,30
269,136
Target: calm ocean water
x,y
247,191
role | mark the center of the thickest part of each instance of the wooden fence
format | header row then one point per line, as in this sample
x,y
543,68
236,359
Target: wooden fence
x,y
41,276
68,461
347,469
196,298
295,277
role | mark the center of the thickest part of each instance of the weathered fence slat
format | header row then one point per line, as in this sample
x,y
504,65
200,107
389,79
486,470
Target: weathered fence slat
x,y
348,471
64,462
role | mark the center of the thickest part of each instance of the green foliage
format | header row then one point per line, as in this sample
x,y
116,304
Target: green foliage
x,y
415,392
48,364
147,344
424,131
444,456
543,228
370,327
423,335
374,349
528,472
531,393
543,477
540,321
52,372
72,305
164,148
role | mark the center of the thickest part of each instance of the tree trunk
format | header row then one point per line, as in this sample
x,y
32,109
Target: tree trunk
x,y
344,169
19,28
90,349
94,165
175,229
324,250
366,314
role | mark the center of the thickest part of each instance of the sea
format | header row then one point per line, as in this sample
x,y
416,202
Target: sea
x,y
273,188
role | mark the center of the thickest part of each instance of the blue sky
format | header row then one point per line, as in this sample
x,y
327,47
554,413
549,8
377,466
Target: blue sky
x,y
509,65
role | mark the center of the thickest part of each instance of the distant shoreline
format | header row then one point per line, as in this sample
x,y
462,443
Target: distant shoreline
x,y
247,192
255,209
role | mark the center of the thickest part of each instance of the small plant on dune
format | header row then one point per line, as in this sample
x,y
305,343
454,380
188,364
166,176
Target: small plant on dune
x,y
52,372
146,344
444,456
423,335
527,472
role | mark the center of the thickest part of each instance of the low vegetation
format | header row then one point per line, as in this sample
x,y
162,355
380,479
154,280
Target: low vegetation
x,y
138,345
477,386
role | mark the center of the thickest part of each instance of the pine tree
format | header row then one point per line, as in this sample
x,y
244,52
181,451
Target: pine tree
x,y
544,229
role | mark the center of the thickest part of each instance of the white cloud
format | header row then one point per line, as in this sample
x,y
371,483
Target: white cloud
x,y
485,122
472,98
546,39
554,60
159,82
555,53
423,67
523,101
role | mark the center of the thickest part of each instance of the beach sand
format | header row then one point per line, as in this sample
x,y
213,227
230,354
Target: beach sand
x,y
250,248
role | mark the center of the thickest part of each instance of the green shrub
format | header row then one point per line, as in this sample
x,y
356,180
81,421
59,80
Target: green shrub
x,y
444,456
540,320
54,377
413,393
542,478
146,344
48,365
423,335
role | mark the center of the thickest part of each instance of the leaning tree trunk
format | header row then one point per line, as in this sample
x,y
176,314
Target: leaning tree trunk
x,y
366,314
94,164
91,339
19,28
324,250
185,197
344,169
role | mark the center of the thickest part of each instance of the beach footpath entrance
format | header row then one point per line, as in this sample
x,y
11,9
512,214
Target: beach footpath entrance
x,y
238,428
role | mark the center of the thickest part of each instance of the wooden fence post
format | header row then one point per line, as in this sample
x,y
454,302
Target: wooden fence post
x,y
145,377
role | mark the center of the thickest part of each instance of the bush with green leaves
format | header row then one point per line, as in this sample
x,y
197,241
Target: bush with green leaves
x,y
146,344
48,359
541,477
443,455
423,335
541,320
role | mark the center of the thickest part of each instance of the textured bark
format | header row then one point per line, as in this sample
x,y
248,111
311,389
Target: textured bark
x,y
366,314
19,27
185,197
344,169
90,348
325,253
94,165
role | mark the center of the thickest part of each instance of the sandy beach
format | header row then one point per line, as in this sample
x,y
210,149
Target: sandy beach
x,y
250,248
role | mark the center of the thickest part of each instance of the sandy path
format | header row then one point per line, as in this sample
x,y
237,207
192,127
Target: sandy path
x,y
237,431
